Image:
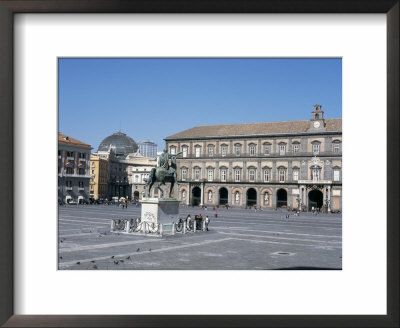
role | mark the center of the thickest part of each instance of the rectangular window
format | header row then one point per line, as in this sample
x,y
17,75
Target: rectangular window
x,y
70,170
336,175
210,175
237,175
92,171
210,151
184,151
82,155
197,174
252,175
223,175
93,165
198,151
281,175
252,150
266,149
282,149
266,175
336,148
183,174
223,151
315,148
173,150
296,148
295,175
59,153
237,150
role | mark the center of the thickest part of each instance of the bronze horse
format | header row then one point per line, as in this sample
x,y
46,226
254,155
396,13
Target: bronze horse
x,y
161,175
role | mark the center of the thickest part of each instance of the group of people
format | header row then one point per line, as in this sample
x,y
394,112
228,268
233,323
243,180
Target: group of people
x,y
198,219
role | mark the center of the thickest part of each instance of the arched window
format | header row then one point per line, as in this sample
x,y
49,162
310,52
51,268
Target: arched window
x,y
252,175
196,173
282,148
266,175
197,151
237,175
252,149
267,148
172,150
211,150
184,151
184,173
223,174
224,150
210,174
282,174
238,149
316,147
183,194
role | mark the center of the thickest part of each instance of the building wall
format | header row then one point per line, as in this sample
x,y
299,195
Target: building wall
x,y
99,168
298,171
73,172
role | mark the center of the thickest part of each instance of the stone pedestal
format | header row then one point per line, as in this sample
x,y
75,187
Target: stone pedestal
x,y
155,210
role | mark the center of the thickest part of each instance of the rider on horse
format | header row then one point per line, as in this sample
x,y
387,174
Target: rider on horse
x,y
164,172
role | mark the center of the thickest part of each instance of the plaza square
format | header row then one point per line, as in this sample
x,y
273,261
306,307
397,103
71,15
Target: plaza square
x,y
238,239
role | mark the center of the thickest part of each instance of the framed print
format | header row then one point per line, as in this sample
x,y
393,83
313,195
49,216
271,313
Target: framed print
x,y
42,41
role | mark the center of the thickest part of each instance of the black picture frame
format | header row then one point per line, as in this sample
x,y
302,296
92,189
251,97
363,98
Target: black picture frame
x,y
7,10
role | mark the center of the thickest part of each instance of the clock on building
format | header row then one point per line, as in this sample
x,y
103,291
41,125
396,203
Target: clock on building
x,y
316,124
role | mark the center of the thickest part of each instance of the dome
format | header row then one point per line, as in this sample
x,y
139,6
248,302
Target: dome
x,y
118,143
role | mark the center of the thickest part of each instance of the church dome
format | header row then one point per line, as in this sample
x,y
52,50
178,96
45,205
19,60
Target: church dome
x,y
118,143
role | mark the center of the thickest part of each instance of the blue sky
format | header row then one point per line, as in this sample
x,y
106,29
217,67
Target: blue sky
x,y
154,98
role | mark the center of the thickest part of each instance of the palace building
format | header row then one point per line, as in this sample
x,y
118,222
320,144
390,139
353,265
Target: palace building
x,y
295,164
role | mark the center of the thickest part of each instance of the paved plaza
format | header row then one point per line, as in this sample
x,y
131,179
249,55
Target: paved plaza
x,y
238,239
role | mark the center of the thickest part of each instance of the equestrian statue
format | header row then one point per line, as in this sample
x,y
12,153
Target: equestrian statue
x,y
163,173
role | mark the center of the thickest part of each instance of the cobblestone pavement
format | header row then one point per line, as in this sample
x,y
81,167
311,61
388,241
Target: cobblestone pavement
x,y
238,240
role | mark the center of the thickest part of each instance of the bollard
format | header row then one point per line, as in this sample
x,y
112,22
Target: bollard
x,y
144,227
128,226
161,229
204,224
194,225
173,229
184,227
112,225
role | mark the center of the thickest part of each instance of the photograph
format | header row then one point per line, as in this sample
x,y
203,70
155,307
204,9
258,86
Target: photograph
x,y
199,163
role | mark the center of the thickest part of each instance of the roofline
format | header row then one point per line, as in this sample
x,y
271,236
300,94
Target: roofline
x,y
254,135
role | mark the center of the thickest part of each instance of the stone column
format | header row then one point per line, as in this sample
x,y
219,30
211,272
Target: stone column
x,y
76,163
273,198
329,198
273,172
230,196
244,196
202,194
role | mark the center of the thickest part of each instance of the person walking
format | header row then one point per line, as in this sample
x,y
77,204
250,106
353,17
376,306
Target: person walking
x,y
207,222
215,214
287,218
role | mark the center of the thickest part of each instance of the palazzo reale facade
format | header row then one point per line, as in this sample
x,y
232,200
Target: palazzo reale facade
x,y
295,164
